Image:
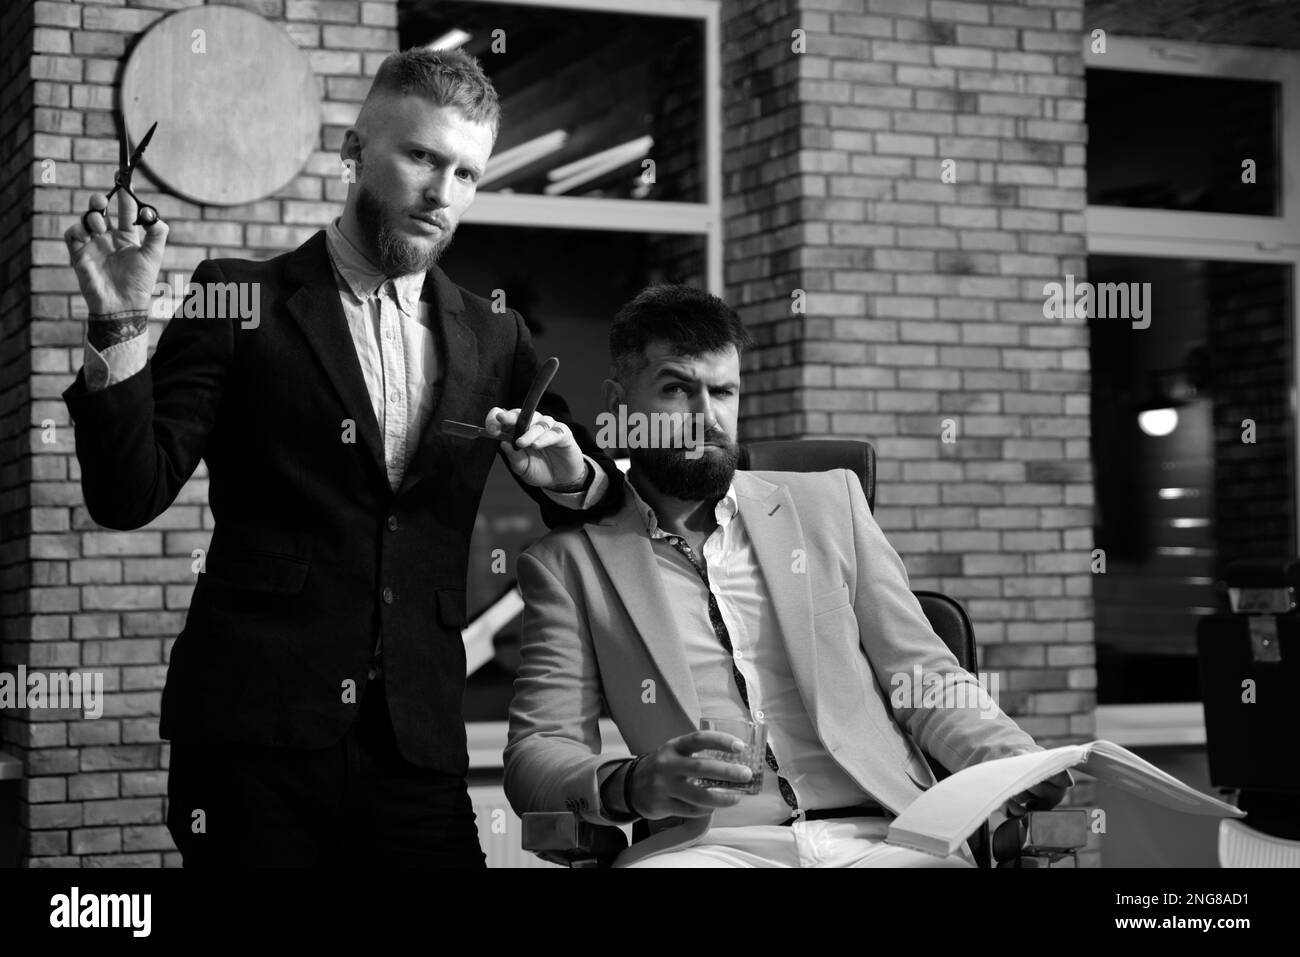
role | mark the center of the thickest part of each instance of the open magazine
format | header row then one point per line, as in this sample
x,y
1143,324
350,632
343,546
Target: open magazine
x,y
942,818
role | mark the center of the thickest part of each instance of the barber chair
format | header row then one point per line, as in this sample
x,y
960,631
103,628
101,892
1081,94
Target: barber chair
x,y
1249,660
1037,839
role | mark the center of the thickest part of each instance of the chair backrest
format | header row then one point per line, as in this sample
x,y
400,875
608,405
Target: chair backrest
x,y
814,455
947,617
949,621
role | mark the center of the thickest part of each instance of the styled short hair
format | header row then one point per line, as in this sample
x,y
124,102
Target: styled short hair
x,y
447,77
691,321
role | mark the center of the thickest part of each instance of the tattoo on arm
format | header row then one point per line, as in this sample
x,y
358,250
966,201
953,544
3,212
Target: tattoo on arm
x,y
113,328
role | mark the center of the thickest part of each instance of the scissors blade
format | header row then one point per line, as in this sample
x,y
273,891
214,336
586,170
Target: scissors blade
x,y
123,145
465,430
139,150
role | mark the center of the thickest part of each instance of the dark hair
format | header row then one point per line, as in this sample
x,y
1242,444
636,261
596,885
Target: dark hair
x,y
447,77
691,321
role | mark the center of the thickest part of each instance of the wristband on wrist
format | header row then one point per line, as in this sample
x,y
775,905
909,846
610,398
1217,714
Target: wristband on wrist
x,y
627,785
124,315
581,485
109,329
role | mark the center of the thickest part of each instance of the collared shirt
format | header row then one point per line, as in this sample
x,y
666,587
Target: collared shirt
x,y
396,346
760,653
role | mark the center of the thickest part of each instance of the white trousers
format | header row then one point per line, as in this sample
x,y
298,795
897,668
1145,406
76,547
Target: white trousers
x,y
842,842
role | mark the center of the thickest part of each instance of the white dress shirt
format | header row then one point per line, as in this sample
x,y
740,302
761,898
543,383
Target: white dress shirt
x,y
396,346
760,654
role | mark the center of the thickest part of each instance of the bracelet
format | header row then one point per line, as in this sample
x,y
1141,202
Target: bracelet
x,y
627,785
578,486
110,329
123,316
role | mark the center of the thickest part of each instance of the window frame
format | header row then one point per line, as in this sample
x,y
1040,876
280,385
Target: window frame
x,y
1155,233
630,215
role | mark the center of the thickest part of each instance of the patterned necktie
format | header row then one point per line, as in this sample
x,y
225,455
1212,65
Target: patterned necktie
x,y
720,629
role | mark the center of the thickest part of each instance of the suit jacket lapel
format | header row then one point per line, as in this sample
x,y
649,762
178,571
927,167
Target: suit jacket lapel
x,y
458,371
624,548
777,538
315,306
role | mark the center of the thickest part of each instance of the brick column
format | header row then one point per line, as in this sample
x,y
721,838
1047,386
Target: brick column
x,y
76,597
17,107
923,298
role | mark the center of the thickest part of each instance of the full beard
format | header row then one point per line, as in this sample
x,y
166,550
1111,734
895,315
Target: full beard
x,y
398,254
706,478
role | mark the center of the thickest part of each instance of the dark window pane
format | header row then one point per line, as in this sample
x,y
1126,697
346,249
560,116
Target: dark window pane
x,y
586,97
1173,509
567,284
1176,142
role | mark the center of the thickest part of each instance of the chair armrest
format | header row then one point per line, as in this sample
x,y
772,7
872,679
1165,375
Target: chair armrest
x,y
565,838
1040,838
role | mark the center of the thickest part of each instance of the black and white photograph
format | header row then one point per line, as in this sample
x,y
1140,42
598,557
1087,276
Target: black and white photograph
x,y
535,435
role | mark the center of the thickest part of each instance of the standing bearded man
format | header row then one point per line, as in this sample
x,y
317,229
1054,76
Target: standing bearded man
x,y
313,698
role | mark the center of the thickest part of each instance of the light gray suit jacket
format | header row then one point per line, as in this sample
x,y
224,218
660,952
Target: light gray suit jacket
x,y
596,625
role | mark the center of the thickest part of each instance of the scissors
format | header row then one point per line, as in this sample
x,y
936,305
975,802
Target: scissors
x,y
146,215
543,379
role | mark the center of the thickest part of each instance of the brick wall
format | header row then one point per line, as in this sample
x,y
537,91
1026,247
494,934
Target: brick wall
x,y
1251,365
16,143
924,298
678,148
74,596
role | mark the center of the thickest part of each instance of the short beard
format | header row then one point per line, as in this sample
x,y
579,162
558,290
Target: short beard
x,y
398,255
706,478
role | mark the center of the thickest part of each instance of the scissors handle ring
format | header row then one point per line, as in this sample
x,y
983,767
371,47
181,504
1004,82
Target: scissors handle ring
x,y
146,215
85,220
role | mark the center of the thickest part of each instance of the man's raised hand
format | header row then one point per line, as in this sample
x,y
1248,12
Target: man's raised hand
x,y
116,268
547,456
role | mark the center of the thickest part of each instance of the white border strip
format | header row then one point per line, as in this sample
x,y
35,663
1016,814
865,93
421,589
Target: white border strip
x,y
685,9
1151,724
580,212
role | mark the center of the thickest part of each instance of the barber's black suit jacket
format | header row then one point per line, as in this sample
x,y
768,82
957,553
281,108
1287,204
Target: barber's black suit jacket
x,y
313,551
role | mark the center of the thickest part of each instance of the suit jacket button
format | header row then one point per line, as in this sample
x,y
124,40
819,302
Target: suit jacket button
x,y
392,523
388,596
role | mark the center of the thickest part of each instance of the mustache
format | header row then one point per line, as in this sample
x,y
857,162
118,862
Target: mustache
x,y
434,217
719,437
